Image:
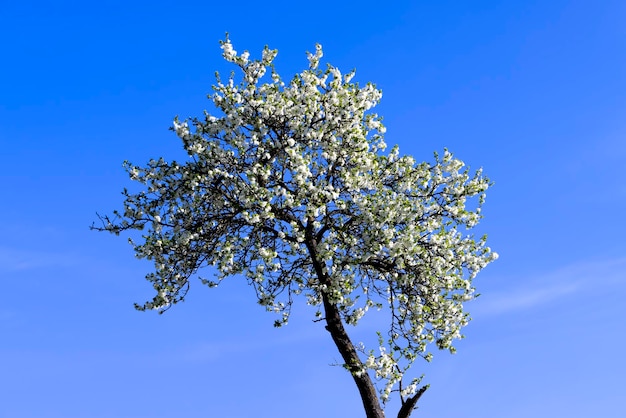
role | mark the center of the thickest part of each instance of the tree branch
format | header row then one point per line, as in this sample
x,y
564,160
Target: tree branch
x,y
409,405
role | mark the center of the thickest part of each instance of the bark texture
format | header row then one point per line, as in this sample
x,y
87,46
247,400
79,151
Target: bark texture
x,y
351,358
334,325
409,405
349,354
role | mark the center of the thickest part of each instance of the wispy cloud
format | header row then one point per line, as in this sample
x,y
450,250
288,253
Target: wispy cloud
x,y
12,260
206,352
521,299
548,287
6,316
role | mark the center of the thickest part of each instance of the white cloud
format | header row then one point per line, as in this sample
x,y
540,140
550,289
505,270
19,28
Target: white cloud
x,y
545,288
6,316
217,350
12,260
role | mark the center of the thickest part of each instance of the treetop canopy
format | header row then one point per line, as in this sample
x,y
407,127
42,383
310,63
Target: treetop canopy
x,y
289,185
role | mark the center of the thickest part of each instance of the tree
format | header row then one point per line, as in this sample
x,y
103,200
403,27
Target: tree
x,y
289,186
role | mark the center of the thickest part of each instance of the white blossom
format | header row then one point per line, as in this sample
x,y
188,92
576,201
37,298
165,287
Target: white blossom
x,y
288,185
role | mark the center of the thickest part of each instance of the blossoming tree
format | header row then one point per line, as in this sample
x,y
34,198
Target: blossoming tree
x,y
288,185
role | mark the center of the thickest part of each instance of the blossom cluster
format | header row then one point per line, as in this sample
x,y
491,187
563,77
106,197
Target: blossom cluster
x,y
289,185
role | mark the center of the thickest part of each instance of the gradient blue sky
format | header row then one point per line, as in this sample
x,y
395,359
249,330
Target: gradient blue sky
x,y
533,91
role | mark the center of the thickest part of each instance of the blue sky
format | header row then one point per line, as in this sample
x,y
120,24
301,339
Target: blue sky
x,y
532,91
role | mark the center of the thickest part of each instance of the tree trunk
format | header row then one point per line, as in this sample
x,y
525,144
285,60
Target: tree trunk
x,y
334,325
369,397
